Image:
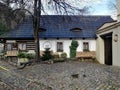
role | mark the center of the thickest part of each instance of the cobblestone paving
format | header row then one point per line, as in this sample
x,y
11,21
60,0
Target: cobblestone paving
x,y
59,76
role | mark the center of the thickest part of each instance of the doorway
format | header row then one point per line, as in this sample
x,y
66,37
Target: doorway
x,y
108,49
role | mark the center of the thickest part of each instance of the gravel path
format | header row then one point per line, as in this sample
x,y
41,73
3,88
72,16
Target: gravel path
x,y
68,76
90,76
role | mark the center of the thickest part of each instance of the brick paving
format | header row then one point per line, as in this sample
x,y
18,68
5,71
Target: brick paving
x,y
58,76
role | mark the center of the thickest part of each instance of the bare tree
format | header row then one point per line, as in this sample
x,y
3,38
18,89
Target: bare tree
x,y
58,6
112,5
37,13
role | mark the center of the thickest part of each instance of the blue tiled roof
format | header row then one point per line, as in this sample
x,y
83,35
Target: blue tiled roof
x,y
59,26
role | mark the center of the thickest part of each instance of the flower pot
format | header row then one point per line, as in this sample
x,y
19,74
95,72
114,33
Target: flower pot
x,y
22,62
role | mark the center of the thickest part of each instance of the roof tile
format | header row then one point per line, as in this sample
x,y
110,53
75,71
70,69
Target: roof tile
x,y
60,26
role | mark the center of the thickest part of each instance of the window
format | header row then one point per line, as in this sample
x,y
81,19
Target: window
x,y
14,46
59,47
22,46
9,47
85,46
75,29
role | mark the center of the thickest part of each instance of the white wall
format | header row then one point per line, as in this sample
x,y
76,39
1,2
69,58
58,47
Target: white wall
x,y
116,48
100,49
118,10
66,44
92,45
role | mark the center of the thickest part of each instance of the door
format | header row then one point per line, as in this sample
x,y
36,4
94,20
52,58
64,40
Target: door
x,y
108,50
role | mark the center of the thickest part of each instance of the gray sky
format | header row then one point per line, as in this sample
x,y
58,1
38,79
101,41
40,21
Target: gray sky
x,y
97,7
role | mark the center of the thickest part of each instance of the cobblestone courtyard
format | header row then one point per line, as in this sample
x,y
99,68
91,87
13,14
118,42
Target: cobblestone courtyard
x,y
62,76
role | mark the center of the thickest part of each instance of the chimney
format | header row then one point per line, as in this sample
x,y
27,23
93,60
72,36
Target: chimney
x,y
118,10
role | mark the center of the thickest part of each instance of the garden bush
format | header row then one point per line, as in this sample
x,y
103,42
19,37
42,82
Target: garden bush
x,y
22,55
56,56
47,55
63,55
73,48
30,56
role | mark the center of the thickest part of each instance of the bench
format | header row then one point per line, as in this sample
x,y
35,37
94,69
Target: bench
x,y
10,54
86,55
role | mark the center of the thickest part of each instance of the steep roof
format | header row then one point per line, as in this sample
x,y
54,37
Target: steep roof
x,y
59,26
107,25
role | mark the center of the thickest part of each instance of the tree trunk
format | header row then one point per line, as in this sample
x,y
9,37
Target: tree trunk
x,y
36,28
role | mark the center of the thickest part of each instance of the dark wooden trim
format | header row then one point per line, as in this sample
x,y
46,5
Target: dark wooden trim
x,y
108,49
18,38
30,45
106,35
42,30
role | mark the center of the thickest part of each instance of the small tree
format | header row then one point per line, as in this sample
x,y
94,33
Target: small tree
x,y
3,28
47,55
73,48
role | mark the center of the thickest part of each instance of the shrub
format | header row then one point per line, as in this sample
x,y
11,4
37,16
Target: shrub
x,y
3,28
3,51
30,56
63,55
73,48
47,55
56,56
22,55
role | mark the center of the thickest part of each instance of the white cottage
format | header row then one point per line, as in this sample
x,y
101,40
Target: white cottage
x,y
108,42
56,32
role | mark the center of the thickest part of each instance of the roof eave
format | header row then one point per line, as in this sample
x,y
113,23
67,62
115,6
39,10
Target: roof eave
x,y
108,28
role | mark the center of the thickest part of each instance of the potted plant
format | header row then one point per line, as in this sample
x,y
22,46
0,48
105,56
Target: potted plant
x,y
47,55
30,57
22,60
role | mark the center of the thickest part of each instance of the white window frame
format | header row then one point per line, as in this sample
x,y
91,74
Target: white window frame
x,y
9,47
60,48
22,46
87,47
